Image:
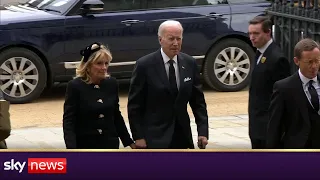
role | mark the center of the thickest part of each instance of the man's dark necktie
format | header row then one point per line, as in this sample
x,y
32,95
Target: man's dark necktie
x,y
172,78
314,96
258,53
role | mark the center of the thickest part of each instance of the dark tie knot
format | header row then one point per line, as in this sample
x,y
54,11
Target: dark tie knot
x,y
258,53
310,83
171,62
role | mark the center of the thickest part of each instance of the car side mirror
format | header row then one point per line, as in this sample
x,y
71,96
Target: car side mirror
x,y
92,6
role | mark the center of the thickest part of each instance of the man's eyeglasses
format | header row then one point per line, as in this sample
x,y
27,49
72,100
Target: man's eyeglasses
x,y
311,62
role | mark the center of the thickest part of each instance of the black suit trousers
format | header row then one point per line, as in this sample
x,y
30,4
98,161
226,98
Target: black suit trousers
x,y
258,144
179,139
97,141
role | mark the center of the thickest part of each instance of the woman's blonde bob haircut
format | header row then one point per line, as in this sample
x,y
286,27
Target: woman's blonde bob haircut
x,y
82,70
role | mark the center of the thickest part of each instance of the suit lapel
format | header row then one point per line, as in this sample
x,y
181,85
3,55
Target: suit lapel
x,y
301,95
161,70
182,69
182,74
266,53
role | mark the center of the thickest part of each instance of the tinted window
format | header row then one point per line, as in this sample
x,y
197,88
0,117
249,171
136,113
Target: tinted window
x,y
35,3
38,3
122,5
246,1
179,3
60,6
44,3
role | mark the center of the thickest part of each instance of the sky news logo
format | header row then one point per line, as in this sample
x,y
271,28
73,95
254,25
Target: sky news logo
x,y
38,165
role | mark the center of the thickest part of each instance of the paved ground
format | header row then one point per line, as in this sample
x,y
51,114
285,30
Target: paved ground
x,y
38,124
47,111
226,132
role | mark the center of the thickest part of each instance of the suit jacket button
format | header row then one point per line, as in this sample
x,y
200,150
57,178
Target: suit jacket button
x,y
101,116
100,101
100,131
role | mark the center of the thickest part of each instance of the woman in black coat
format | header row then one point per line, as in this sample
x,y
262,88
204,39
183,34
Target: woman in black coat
x,y
92,119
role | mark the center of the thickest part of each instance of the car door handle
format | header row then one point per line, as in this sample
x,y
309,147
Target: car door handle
x,y
131,21
214,15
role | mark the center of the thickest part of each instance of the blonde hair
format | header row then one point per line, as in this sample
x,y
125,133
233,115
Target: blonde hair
x,y
82,69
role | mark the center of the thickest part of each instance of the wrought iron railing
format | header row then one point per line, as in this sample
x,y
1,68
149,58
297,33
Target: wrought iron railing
x,y
294,20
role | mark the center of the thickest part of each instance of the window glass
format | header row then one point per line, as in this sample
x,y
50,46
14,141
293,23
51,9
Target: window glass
x,y
246,1
180,3
37,3
60,6
44,3
122,5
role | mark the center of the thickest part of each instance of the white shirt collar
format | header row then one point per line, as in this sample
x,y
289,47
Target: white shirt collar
x,y
166,58
306,80
264,48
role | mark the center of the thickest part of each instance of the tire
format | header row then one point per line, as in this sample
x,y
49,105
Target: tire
x,y
218,74
21,85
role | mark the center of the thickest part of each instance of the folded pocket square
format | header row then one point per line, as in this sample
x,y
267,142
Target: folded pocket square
x,y
187,79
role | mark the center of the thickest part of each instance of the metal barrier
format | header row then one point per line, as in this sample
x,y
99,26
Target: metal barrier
x,y
294,20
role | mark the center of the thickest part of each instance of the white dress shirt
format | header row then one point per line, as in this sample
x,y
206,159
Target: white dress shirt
x,y
263,49
175,65
305,85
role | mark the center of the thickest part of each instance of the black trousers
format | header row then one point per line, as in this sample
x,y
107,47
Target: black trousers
x,y
179,139
258,143
98,141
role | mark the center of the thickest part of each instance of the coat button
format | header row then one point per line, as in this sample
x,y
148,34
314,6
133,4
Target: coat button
x,y
100,131
101,116
100,101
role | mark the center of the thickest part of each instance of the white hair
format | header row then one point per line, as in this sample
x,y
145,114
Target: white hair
x,y
168,23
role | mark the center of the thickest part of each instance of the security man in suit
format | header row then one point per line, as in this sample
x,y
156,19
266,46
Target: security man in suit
x,y
162,85
294,110
270,65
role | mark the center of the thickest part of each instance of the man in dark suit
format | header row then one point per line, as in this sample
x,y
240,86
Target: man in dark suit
x,y
294,110
270,65
162,85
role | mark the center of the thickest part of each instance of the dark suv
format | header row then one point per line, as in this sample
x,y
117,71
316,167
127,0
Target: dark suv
x,y
40,40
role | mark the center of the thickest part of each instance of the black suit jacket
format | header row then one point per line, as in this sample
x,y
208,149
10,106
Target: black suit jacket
x,y
264,75
289,124
84,114
152,110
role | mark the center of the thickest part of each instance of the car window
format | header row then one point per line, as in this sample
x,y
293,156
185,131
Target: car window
x,y
245,1
44,3
179,3
122,5
60,6
33,3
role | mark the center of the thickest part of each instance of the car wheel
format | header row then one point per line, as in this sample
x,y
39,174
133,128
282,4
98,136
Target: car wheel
x,y
228,65
23,75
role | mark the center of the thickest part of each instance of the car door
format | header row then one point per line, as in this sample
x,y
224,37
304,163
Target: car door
x,y
202,20
117,28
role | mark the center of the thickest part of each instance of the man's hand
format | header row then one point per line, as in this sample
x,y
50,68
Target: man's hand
x,y
133,146
202,142
141,144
